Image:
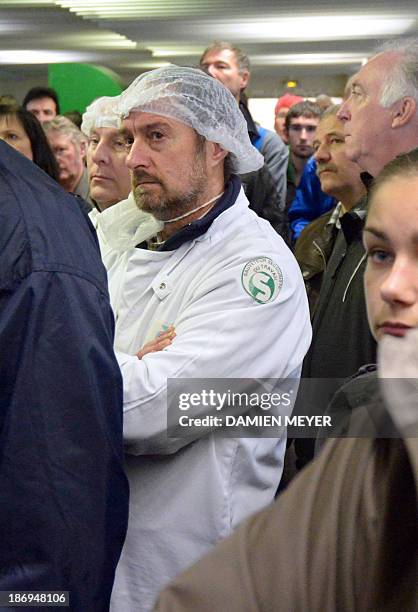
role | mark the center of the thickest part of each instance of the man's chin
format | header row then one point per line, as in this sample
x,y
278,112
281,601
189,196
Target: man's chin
x,y
147,204
304,153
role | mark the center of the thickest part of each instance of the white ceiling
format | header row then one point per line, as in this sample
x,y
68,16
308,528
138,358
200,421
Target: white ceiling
x,y
317,43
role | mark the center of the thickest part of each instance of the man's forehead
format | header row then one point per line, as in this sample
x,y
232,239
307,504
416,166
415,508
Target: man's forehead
x,y
376,67
304,120
329,125
104,131
138,119
44,101
327,130
220,55
59,137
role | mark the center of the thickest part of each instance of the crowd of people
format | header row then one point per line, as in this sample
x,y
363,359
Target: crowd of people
x,y
168,254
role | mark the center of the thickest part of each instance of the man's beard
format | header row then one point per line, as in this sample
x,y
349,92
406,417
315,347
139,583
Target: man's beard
x,y
164,204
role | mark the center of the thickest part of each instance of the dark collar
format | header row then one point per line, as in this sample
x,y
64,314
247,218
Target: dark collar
x,y
366,179
352,222
251,126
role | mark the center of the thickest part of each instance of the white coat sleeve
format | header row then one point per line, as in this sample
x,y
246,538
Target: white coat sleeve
x,y
221,333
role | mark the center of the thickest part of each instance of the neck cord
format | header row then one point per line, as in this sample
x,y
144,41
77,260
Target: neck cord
x,y
194,209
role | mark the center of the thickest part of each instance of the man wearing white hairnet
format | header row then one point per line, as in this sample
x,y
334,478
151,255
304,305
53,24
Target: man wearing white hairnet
x,y
232,290
109,179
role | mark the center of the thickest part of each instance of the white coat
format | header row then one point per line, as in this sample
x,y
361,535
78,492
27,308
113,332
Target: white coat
x,y
185,496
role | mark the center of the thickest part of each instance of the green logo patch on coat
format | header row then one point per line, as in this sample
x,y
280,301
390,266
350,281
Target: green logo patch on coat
x,y
262,279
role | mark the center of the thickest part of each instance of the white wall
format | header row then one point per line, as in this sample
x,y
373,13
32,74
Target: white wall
x,y
262,110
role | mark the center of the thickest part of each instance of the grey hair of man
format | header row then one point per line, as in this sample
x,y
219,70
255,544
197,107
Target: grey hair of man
x,y
402,80
64,126
243,61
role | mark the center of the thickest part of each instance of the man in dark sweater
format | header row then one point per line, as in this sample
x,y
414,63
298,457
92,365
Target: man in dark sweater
x,y
231,66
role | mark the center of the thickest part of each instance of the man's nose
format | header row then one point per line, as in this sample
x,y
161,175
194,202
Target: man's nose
x,y
138,156
343,113
303,134
322,153
100,153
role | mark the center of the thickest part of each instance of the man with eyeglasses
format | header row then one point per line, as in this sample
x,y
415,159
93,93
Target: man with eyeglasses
x,y
300,127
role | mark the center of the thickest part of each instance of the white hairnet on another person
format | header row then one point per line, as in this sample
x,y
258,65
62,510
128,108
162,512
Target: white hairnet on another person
x,y
196,99
101,113
125,225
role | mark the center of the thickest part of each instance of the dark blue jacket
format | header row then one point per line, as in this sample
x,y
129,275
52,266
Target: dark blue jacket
x,y
63,492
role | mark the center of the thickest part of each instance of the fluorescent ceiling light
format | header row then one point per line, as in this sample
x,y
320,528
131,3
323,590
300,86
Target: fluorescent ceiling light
x,y
143,8
304,59
33,56
312,28
26,3
96,40
176,50
269,29
16,27
149,65
278,59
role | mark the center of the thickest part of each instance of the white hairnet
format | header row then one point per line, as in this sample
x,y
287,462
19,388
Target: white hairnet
x,y
101,113
192,97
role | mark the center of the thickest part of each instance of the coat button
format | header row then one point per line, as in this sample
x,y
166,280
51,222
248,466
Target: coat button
x,y
162,286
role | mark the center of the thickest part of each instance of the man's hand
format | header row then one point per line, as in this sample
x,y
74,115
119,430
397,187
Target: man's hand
x,y
159,343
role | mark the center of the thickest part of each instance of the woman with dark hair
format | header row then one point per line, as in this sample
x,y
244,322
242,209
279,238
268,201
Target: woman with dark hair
x,y
22,131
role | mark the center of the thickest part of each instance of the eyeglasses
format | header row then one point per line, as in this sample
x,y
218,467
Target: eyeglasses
x,y
299,128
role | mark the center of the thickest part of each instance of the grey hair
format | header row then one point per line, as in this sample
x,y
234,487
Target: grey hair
x,y
402,80
63,125
243,61
331,110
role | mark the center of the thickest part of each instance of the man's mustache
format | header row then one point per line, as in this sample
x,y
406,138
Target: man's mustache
x,y
328,167
139,176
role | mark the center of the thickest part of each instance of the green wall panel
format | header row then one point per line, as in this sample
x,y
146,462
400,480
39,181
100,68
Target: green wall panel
x,y
79,84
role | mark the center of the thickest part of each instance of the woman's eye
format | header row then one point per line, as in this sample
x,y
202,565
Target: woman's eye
x,y
378,256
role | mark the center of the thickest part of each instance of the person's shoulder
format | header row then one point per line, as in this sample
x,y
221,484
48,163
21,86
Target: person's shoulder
x,y
245,226
360,389
315,226
44,223
243,240
274,139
